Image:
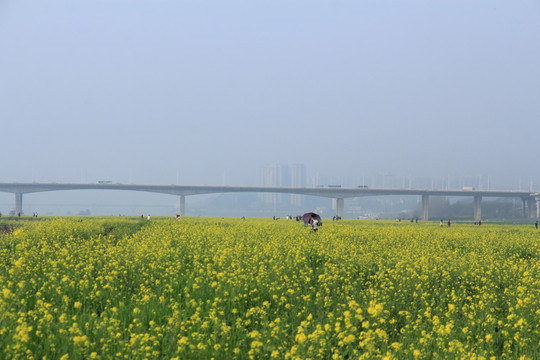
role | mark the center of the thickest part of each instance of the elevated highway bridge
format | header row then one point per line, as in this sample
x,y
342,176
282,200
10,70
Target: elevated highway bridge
x,y
531,200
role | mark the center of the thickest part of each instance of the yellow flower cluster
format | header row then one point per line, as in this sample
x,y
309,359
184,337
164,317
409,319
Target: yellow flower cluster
x,y
202,288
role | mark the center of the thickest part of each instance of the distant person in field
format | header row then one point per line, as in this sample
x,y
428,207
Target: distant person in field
x,y
148,217
313,222
440,223
535,224
449,223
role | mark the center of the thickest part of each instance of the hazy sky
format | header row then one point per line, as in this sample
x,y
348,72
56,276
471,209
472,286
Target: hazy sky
x,y
203,92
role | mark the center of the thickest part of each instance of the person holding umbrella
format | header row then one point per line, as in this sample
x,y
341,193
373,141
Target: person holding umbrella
x,y
312,220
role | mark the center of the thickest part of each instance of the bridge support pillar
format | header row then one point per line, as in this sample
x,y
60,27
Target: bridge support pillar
x,y
477,208
531,208
182,205
18,203
537,198
425,207
340,205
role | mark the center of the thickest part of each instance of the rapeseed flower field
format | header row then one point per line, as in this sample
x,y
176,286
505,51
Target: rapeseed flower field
x,y
208,288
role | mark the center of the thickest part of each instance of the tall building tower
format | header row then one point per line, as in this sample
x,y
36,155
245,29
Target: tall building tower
x,y
283,175
297,174
272,175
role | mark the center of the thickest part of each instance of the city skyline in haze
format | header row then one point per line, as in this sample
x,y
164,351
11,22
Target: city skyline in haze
x,y
299,175
121,202
403,201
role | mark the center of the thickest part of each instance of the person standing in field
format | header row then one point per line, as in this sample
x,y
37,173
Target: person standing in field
x,y
314,224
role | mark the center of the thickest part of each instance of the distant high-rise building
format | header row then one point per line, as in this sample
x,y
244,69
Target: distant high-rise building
x,y
297,173
283,175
